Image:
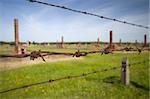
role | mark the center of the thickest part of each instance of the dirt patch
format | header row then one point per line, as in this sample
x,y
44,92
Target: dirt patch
x,y
10,63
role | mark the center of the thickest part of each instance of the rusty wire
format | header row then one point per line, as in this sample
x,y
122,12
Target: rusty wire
x,y
62,78
87,13
71,77
138,63
36,54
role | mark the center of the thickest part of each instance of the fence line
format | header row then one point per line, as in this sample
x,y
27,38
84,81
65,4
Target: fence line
x,y
71,77
35,54
87,13
138,63
62,78
125,70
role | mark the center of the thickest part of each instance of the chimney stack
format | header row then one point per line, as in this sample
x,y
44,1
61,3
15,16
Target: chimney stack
x,y
16,30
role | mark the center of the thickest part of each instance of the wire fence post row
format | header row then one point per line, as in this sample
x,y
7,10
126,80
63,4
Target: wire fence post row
x,y
125,74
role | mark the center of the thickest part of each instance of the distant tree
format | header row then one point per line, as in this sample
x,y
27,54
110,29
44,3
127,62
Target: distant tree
x,y
33,42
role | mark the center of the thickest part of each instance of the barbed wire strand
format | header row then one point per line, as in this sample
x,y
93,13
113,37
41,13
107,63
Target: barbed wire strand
x,y
72,76
63,78
88,13
138,63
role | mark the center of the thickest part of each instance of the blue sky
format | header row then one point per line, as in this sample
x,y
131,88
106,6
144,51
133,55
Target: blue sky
x,y
43,23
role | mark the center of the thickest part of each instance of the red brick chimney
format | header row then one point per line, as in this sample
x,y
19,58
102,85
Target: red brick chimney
x,y
16,27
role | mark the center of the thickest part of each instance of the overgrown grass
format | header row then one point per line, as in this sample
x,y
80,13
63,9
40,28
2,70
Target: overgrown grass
x,y
6,49
51,48
67,48
104,85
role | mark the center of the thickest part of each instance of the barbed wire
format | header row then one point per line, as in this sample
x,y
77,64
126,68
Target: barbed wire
x,y
72,76
36,54
62,78
138,63
87,13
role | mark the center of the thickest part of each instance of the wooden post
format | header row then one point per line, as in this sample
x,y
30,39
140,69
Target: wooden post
x,y
125,77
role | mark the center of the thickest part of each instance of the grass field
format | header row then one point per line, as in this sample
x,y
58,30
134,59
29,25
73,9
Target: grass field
x,y
9,49
6,49
104,85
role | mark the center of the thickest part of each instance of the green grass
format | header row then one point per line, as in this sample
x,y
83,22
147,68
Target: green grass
x,y
6,49
104,85
53,48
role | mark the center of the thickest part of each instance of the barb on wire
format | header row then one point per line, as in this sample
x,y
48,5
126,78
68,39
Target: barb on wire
x,y
141,62
87,13
71,77
36,54
62,78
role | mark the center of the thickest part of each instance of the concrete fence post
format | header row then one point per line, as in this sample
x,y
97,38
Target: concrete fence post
x,y
62,42
111,39
97,43
125,77
145,40
136,41
120,41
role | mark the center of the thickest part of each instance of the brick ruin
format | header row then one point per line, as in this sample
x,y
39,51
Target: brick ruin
x,y
16,30
18,48
111,46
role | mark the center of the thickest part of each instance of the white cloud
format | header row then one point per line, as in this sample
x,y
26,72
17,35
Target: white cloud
x,y
79,27
50,25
